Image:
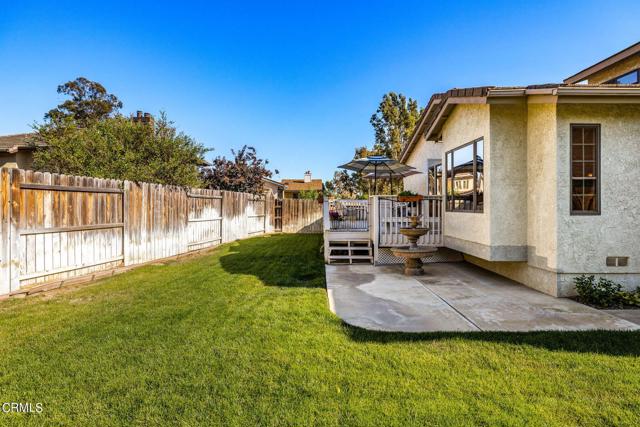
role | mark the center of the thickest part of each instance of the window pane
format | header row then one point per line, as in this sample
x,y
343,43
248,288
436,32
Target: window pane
x,y
480,175
628,79
589,152
589,186
576,135
431,184
584,168
576,170
463,177
438,180
577,186
589,135
589,169
576,203
576,152
449,180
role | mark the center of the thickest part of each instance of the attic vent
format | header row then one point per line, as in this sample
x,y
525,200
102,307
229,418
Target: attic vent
x,y
617,261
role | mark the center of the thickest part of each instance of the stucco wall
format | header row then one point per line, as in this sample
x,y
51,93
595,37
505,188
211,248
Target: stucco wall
x,y
523,153
542,182
423,151
585,241
24,159
527,196
465,230
622,67
508,179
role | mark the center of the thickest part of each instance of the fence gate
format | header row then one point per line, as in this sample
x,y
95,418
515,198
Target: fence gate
x,y
204,222
256,215
277,215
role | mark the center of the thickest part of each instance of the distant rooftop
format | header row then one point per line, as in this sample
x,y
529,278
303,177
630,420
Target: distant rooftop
x,y
301,185
605,63
19,141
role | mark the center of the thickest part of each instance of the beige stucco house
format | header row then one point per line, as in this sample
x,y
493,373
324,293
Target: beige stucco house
x,y
554,170
293,187
16,151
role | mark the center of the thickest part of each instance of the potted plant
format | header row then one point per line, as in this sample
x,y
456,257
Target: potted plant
x,y
409,196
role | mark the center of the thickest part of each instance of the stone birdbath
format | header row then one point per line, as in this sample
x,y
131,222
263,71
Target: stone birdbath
x,y
413,254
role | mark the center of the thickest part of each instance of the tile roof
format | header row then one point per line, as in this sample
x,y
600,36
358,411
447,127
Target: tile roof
x,y
438,101
299,184
20,141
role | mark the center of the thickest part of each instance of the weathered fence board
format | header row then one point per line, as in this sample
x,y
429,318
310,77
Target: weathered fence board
x,y
56,227
205,218
301,216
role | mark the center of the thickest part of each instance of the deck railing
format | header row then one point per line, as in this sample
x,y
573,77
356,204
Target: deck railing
x,y
348,215
394,215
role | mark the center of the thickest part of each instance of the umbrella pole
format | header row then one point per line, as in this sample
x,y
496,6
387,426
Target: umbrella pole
x,y
375,179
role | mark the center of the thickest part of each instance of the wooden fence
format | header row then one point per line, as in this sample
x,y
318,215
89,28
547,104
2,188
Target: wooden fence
x,y
56,227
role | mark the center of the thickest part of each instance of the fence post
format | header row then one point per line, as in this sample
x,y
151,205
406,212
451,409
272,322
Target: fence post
x,y
223,222
13,260
126,189
5,221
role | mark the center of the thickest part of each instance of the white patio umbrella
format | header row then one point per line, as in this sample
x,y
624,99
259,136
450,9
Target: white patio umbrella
x,y
376,165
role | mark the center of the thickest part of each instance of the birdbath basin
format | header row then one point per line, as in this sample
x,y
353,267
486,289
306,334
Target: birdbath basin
x,y
413,253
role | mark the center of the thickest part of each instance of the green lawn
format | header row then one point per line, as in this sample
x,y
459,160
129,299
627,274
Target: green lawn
x,y
243,336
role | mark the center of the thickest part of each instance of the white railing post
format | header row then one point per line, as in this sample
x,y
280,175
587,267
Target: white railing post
x,y
326,220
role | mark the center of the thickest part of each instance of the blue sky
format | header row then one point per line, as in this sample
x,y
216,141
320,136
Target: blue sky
x,y
296,80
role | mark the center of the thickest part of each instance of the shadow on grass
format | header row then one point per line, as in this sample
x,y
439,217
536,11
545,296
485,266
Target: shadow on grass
x,y
614,343
295,261
288,260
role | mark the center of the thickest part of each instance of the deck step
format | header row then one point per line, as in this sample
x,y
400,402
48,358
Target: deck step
x,y
349,251
354,248
351,257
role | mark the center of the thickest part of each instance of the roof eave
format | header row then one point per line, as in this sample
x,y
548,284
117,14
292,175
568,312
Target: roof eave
x,y
406,152
433,134
605,63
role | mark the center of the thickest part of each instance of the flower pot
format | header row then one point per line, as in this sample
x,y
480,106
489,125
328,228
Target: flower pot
x,y
410,198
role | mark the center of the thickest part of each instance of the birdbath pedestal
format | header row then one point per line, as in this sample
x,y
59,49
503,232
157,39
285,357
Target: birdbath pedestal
x,y
413,254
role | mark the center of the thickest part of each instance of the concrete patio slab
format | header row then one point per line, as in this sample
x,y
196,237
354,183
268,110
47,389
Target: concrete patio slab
x,y
632,315
381,299
453,297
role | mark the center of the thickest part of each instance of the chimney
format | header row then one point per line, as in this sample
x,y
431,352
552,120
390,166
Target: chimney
x,y
307,176
144,118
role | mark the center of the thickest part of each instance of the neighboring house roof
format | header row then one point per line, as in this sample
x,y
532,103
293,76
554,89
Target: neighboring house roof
x,y
300,185
271,181
440,105
605,63
20,141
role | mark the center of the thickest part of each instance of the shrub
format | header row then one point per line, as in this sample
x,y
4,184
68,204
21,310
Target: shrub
x,y
605,293
631,298
601,293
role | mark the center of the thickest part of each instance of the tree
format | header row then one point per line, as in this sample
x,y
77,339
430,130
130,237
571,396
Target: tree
x,y
309,194
89,102
394,122
118,148
244,173
344,185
